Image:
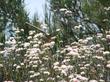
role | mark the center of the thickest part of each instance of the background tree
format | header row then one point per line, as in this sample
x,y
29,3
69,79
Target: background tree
x,y
69,17
98,12
12,16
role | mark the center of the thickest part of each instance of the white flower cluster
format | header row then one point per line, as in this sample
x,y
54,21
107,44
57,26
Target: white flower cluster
x,y
36,61
66,11
107,8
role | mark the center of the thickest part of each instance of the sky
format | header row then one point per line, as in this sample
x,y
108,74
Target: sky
x,y
35,6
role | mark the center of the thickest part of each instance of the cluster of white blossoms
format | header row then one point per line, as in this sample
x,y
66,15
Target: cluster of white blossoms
x,y
107,8
36,59
77,59
66,11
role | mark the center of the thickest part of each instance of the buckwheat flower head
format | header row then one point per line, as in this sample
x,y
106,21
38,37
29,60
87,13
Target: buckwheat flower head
x,y
83,68
22,30
71,76
2,52
36,74
8,81
35,58
69,48
63,67
22,64
17,31
108,36
63,9
104,39
82,73
39,42
81,41
74,80
98,65
108,61
101,80
40,35
87,65
30,81
107,8
56,67
46,72
72,53
46,45
35,62
26,44
63,51
78,27
44,26
19,49
18,67
99,35
31,76
68,12
31,32
57,30
15,65
81,78
29,37
56,63
89,38
34,51
1,65
41,80
108,65
11,41
105,20
65,61
85,41
99,57
42,69
36,45
50,79
51,44
53,38
64,72
97,46
1,44
106,53
93,81
31,72
45,58
70,67
34,66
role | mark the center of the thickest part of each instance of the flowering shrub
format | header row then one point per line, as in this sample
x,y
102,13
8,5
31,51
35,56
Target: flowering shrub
x,y
34,61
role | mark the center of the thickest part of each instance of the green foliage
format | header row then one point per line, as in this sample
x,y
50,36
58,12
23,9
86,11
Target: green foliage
x,y
13,11
105,2
12,16
67,19
97,13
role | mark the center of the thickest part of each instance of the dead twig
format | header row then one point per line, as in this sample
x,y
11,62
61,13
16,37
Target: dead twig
x,y
37,28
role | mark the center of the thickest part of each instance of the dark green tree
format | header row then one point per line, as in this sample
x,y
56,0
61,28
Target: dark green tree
x,y
68,14
12,16
13,12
